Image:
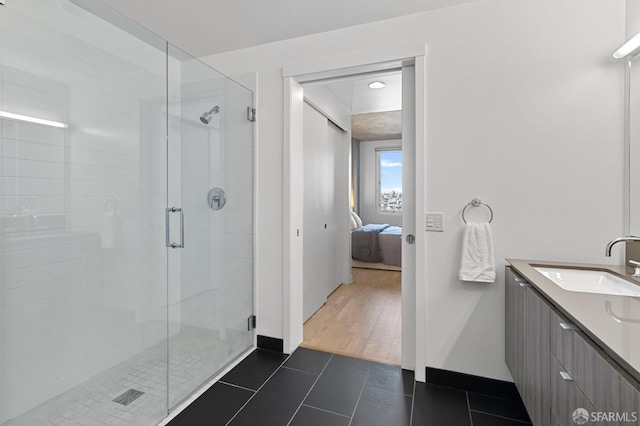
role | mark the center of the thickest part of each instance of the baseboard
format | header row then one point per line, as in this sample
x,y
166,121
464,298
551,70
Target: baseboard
x,y
270,343
379,265
471,383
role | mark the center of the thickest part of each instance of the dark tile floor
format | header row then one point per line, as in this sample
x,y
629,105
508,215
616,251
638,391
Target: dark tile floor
x,y
311,388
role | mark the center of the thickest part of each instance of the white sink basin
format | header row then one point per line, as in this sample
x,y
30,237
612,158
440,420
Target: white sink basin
x,y
589,281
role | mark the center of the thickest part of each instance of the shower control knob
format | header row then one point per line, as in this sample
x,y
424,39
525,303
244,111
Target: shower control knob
x,y
216,198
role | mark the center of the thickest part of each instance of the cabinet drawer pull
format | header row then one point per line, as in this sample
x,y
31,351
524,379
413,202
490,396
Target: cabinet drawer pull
x,y
523,284
565,376
567,326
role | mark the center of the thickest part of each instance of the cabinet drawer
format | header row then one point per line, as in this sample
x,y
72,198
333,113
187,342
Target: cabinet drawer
x,y
608,388
562,340
571,349
566,397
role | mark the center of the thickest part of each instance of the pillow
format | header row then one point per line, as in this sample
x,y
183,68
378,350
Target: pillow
x,y
353,223
357,219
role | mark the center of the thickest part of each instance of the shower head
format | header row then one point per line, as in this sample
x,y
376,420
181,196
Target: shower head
x,y
206,117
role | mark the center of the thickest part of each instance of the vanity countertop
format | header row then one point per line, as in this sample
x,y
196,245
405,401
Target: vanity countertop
x,y
613,322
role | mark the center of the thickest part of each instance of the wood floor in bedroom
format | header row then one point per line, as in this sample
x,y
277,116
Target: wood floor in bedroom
x,y
361,319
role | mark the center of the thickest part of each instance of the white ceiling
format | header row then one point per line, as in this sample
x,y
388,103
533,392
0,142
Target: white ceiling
x,y
204,27
354,92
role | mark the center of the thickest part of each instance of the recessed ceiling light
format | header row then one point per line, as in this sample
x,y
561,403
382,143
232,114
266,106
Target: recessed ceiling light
x,y
376,85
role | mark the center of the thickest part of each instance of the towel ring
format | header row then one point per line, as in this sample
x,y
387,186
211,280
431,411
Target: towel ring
x,y
476,202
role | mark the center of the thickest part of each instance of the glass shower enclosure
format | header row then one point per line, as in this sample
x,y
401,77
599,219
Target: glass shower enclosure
x,y
126,233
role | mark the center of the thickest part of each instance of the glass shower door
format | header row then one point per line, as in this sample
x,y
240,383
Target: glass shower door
x,y
100,322
83,285
210,223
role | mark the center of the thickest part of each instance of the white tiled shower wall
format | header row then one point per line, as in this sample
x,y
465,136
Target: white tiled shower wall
x,y
220,264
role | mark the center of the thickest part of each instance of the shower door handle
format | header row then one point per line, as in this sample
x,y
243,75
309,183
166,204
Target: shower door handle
x,y
168,212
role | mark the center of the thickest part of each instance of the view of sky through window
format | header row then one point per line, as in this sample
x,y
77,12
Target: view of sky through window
x,y
390,180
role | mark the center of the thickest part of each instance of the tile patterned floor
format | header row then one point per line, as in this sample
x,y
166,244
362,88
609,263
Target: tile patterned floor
x,y
195,355
312,388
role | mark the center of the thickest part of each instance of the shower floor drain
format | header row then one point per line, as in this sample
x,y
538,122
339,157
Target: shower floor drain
x,y
128,397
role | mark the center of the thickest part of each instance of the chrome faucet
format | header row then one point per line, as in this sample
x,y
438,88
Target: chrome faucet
x,y
611,243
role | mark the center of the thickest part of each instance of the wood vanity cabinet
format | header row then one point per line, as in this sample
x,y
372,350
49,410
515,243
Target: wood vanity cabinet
x,y
556,367
596,377
514,328
565,396
527,347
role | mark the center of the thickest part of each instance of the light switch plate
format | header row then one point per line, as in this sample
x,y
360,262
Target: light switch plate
x,y
435,221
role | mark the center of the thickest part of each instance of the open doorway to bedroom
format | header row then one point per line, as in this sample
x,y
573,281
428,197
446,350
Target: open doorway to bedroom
x,y
361,318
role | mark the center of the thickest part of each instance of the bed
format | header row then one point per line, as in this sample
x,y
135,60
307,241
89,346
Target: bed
x,y
377,246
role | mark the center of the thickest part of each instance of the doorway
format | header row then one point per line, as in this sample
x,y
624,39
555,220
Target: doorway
x,y
412,60
358,315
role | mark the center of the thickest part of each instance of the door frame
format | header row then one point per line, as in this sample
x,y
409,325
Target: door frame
x,y
414,351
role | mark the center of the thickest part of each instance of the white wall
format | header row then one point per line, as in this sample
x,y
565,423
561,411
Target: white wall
x,y
355,173
633,18
524,110
369,210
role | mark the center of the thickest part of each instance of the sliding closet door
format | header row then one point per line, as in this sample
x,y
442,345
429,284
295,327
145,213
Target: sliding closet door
x,y
318,186
210,223
325,201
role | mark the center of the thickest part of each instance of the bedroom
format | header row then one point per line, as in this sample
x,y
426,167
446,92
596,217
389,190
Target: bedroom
x,y
357,313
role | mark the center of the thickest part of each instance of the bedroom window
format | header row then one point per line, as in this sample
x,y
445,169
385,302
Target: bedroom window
x,y
389,188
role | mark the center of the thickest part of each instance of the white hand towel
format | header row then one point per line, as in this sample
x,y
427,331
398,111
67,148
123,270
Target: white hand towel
x,y
477,262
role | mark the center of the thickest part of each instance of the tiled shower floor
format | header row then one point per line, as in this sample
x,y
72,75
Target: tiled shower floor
x,y
196,354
